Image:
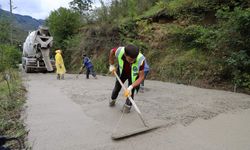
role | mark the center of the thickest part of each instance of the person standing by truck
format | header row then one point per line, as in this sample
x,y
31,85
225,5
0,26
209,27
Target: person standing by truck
x,y
60,68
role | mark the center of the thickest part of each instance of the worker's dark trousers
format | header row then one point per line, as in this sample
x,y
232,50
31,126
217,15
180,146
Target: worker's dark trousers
x,y
117,88
90,71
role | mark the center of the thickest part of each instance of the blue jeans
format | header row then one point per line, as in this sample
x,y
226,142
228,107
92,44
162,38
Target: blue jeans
x,y
91,71
145,75
118,87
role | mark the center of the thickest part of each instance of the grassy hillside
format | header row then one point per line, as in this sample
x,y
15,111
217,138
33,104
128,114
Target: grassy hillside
x,y
196,42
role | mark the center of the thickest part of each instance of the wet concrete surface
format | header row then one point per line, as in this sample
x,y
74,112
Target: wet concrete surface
x,y
74,114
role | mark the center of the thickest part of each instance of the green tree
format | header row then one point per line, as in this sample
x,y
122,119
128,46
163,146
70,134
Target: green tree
x,y
120,9
9,57
132,8
233,39
114,10
4,28
102,12
63,23
81,6
4,31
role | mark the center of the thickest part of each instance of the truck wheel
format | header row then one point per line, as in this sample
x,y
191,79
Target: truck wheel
x,y
27,69
23,64
44,71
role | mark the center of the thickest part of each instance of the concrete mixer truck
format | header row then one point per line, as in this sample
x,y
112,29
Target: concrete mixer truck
x,y
36,51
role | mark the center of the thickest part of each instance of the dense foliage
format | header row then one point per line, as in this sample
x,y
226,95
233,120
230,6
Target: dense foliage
x,y
198,42
12,93
12,99
9,57
63,24
4,31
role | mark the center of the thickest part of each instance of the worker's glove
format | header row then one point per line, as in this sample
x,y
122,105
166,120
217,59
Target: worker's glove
x,y
112,69
128,91
60,66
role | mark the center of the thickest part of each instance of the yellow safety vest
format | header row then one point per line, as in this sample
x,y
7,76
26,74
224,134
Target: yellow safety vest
x,y
135,66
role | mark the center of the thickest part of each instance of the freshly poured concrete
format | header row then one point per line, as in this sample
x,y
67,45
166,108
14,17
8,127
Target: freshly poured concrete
x,y
74,114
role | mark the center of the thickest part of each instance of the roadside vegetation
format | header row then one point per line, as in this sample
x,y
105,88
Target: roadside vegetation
x,y
196,42
12,99
12,91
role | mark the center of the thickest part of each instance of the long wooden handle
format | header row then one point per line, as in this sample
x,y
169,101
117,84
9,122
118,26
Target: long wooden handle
x,y
131,100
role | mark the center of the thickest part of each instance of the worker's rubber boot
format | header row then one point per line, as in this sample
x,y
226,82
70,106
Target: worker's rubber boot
x,y
126,108
62,76
112,102
58,77
142,89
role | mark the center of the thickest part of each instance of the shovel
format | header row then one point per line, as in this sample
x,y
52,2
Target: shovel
x,y
146,127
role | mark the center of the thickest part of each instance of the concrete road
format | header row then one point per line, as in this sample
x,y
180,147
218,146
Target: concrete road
x,y
74,114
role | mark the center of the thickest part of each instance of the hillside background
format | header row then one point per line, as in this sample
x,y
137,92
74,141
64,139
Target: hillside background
x,y
195,42
21,26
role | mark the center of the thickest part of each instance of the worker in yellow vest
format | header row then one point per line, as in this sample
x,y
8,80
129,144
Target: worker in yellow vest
x,y
60,68
131,68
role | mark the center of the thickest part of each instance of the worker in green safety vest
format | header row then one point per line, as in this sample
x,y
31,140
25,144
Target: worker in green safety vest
x,y
131,68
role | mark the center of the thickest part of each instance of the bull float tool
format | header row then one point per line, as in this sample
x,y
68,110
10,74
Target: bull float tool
x,y
144,129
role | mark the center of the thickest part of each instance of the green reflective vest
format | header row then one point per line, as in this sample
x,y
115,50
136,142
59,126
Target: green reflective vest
x,y
135,66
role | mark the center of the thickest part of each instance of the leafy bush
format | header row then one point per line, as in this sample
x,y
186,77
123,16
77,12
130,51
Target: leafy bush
x,y
195,36
189,10
4,31
11,106
187,66
128,29
100,64
239,64
9,57
63,24
229,41
233,40
236,25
